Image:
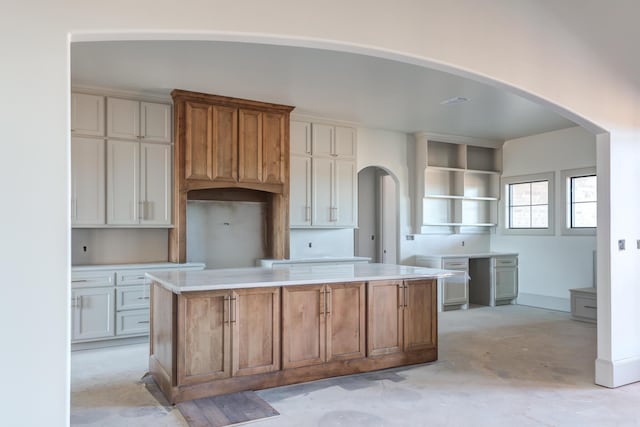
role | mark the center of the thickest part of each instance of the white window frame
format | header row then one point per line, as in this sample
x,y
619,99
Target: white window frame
x,y
504,211
565,198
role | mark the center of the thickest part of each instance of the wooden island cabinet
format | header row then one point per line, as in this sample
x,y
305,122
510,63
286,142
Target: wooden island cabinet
x,y
221,331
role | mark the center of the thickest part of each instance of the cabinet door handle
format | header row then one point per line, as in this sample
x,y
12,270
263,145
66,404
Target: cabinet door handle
x,y
143,321
226,308
141,210
400,296
143,297
307,213
406,297
333,214
75,208
327,301
590,306
79,281
234,310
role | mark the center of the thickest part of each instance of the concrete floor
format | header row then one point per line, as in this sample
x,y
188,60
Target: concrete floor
x,y
504,366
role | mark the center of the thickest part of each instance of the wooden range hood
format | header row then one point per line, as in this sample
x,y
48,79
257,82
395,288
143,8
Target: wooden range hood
x,y
230,149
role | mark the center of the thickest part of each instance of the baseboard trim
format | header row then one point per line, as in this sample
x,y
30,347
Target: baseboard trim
x,y
544,301
90,345
617,373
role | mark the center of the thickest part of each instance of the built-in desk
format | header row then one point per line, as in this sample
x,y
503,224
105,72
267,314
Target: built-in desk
x,y
491,279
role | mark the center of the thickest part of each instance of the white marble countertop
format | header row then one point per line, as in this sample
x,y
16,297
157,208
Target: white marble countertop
x,y
469,255
236,278
147,266
313,260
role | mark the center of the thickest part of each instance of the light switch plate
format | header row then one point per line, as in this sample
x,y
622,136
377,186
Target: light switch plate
x,y
621,244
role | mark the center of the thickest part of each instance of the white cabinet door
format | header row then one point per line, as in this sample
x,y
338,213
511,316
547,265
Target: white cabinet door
x,y
300,138
92,313
506,282
155,121
455,291
322,139
123,118
345,142
345,193
323,212
87,114
122,182
155,184
87,182
300,193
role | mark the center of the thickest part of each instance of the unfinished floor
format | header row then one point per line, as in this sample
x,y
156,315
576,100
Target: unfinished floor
x,y
510,365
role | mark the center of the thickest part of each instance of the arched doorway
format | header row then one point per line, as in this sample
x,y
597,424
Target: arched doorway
x,y
377,234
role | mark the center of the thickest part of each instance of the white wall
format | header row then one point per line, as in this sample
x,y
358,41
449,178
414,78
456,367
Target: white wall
x,y
118,245
554,62
549,265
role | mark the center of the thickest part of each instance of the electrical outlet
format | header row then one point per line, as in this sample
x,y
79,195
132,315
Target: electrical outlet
x,y
84,249
621,244
462,243
309,244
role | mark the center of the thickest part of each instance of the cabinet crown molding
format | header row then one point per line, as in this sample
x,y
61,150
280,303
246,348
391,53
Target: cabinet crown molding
x,y
185,95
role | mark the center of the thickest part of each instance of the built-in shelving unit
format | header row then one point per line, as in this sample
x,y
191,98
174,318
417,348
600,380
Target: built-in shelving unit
x,y
458,183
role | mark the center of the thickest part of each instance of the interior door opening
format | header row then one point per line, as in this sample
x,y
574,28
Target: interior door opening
x,y
377,234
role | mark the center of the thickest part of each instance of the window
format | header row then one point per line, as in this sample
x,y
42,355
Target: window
x,y
528,202
580,201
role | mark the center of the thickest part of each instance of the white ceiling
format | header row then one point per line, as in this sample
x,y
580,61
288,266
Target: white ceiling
x,y
373,92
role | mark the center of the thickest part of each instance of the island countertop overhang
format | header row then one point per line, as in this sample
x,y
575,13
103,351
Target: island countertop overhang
x,y
255,277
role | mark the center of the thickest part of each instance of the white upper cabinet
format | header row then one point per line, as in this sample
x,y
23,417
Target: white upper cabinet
x,y
300,137
123,118
155,122
345,142
323,192
334,141
155,184
345,193
87,182
123,174
87,114
131,119
300,194
323,175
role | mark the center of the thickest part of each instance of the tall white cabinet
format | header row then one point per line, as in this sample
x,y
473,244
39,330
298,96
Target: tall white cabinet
x,y
121,162
323,175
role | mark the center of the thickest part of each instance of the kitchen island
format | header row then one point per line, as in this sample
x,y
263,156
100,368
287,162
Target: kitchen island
x,y
221,331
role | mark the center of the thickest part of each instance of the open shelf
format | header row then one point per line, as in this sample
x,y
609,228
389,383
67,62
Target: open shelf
x,y
461,187
445,155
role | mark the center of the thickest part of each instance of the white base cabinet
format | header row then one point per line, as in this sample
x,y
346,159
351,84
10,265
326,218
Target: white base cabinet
x,y
489,279
92,313
110,303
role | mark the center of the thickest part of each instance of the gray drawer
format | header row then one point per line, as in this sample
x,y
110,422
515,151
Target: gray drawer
x,y
456,264
134,322
92,279
131,277
505,262
584,307
132,297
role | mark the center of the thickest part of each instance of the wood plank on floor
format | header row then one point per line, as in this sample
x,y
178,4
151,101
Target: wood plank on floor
x,y
225,410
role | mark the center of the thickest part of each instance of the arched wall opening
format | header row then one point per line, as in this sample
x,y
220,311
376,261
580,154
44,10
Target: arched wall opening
x,y
603,258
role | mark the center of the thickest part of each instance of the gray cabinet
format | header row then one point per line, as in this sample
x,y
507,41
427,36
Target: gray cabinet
x,y
112,304
505,279
453,292
92,313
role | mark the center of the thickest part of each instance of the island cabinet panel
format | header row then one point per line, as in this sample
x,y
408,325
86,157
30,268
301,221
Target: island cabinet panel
x,y
401,316
255,324
303,326
346,315
323,323
385,317
204,336
420,318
